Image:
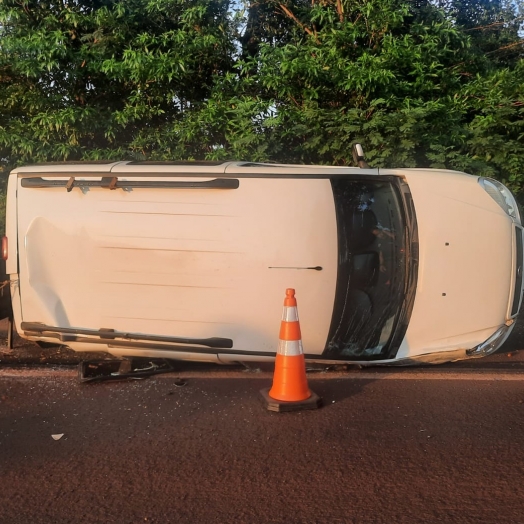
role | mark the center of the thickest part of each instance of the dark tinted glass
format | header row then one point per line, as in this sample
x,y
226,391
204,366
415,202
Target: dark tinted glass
x,y
371,268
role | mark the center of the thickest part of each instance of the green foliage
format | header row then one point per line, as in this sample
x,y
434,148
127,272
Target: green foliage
x,y
419,83
89,80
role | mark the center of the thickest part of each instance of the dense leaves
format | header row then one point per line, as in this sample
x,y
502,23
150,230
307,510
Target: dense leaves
x,y
419,83
91,79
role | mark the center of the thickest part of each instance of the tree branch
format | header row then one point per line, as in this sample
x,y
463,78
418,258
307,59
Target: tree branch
x,y
494,24
505,47
296,20
340,10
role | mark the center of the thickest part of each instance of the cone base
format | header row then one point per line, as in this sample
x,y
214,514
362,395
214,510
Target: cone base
x,y
280,406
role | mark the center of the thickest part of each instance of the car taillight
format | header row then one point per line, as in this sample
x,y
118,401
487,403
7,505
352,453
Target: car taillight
x,y
4,247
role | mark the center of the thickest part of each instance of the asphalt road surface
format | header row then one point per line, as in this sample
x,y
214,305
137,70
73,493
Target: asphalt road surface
x,y
431,444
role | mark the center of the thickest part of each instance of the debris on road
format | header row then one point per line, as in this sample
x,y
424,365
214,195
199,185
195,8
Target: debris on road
x,y
102,370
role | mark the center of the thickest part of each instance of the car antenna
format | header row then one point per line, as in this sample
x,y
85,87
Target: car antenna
x,y
358,156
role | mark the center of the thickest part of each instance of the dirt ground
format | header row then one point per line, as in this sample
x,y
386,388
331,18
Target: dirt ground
x,y
380,451
189,448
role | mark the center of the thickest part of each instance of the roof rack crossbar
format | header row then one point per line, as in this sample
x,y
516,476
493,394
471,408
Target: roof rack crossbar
x,y
115,183
67,334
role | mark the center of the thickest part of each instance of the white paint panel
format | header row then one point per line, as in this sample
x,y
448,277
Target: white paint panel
x,y
465,277
189,263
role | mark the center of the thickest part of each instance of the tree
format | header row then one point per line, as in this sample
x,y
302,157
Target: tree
x,y
350,71
405,78
101,79
420,83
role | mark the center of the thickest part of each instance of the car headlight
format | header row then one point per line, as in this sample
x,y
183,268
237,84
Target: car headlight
x,y
502,196
490,345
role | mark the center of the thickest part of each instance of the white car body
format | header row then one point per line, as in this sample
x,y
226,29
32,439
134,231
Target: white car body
x,y
119,257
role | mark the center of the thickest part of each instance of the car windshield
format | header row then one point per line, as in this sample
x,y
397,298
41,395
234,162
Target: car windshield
x,y
371,268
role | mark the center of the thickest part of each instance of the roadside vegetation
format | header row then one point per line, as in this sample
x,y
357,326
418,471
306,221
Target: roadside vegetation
x,y
419,83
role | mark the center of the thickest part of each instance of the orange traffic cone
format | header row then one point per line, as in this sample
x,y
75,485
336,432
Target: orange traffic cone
x,y
290,391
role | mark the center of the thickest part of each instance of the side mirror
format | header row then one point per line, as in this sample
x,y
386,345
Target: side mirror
x,y
358,156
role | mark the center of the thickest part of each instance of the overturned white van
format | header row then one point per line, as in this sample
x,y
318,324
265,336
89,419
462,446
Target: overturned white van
x,y
191,260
